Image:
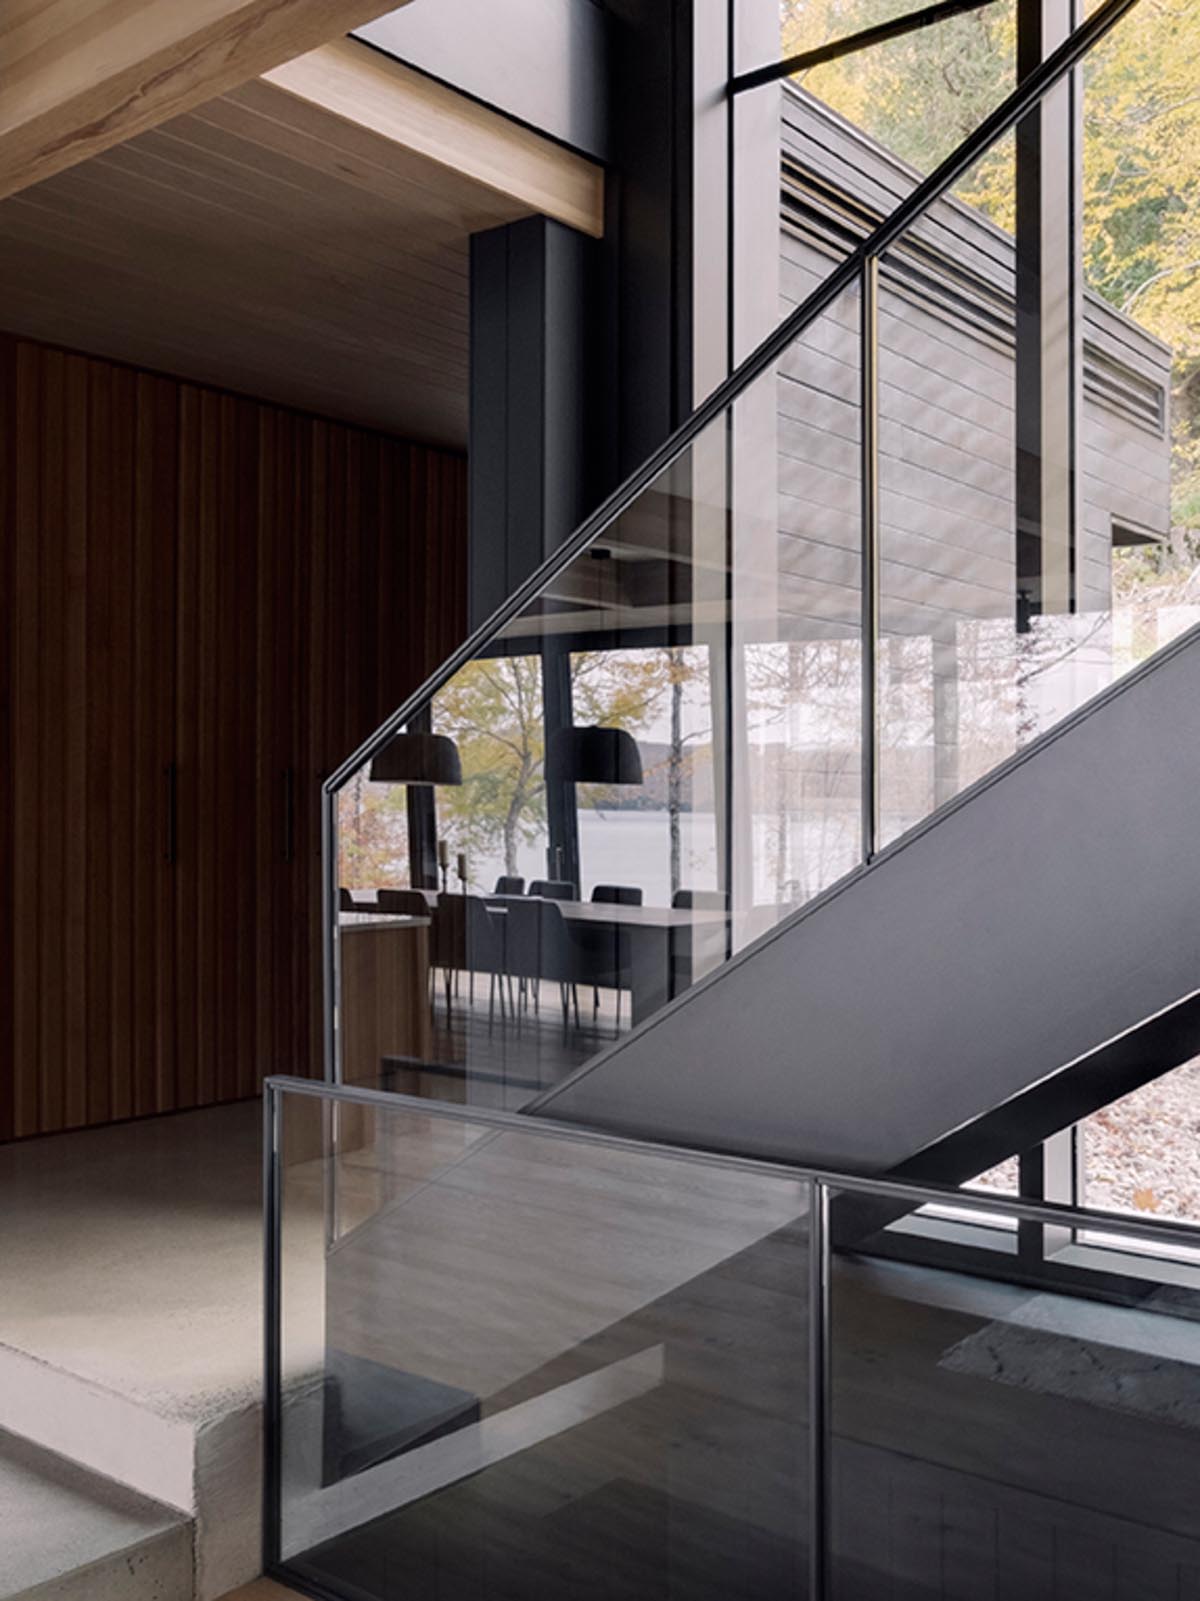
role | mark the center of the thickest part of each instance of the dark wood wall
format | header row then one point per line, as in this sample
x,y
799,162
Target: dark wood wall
x,y
205,603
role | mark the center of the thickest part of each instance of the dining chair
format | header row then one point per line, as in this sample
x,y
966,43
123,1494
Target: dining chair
x,y
700,900
539,946
486,938
612,945
509,884
552,889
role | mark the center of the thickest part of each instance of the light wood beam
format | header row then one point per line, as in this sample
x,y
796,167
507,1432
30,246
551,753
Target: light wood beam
x,y
349,80
78,76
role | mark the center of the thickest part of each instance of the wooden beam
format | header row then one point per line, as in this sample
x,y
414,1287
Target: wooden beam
x,y
359,85
78,76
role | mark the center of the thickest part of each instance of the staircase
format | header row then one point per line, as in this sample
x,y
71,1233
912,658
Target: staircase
x,y
1028,956
603,1310
70,1535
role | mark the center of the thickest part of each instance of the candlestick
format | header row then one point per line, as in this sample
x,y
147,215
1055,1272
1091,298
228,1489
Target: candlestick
x,y
462,867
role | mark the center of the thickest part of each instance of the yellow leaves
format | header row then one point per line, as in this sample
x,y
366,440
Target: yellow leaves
x,y
1145,1200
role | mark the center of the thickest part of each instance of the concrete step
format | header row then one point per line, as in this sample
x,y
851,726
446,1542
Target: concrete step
x,y
201,1461
130,1327
70,1535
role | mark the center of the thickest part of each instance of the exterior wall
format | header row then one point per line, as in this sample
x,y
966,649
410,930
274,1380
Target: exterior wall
x,y
194,580
946,401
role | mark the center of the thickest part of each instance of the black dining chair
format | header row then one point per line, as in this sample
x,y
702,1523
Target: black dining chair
x,y
402,903
448,938
485,953
539,946
700,900
618,894
509,884
552,889
611,947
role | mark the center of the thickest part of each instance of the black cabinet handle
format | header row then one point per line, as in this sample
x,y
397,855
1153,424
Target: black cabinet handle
x,y
289,814
171,839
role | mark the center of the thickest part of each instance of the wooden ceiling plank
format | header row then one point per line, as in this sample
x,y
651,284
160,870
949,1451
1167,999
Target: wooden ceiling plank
x,y
211,319
349,80
382,231
250,252
82,75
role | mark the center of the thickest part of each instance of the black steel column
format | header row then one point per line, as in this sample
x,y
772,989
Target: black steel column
x,y
562,814
534,442
1048,322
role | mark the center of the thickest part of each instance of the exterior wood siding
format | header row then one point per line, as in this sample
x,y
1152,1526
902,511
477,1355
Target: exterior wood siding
x,y
947,386
205,603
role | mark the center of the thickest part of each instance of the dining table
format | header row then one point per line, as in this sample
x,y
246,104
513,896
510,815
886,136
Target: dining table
x,y
668,946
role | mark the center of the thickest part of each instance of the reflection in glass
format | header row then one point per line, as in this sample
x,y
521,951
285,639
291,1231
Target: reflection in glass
x,y
493,711
655,761
976,1425
535,1366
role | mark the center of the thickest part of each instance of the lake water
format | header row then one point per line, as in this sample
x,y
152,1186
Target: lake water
x,y
635,848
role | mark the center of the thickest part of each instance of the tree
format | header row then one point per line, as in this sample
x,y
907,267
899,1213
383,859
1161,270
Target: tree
x,y
372,834
492,709
626,689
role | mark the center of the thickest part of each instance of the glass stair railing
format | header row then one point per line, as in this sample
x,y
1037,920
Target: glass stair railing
x,y
508,1361
804,626
510,1357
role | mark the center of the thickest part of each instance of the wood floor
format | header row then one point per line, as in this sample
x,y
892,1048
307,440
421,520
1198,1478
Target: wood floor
x,y
262,1590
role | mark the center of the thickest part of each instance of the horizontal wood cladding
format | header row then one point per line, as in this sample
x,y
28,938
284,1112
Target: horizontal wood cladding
x,y
206,603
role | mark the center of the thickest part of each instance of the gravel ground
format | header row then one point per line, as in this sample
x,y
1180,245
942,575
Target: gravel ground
x,y
1141,1154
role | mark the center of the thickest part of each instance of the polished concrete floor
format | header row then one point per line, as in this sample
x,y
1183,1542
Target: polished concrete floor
x,y
132,1257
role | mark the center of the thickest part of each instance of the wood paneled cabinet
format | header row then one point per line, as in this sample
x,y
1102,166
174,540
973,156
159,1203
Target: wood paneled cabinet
x,y
206,602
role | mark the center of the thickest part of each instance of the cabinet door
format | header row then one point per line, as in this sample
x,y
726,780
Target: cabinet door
x,y
217,867
89,612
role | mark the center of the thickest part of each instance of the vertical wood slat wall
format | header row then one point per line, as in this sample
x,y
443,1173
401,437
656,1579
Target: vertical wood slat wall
x,y
191,578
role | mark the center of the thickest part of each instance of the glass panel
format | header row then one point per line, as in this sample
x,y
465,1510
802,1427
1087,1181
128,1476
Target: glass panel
x,y
1138,561
1141,1153
524,1365
1038,446
950,698
658,759
495,823
664,697
1004,1440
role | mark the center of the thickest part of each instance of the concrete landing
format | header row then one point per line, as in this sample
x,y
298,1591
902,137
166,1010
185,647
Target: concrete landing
x,y
130,1317
71,1536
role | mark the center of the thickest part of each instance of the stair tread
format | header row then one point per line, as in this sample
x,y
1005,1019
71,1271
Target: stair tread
x,y
58,1517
